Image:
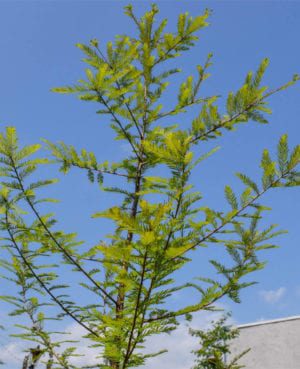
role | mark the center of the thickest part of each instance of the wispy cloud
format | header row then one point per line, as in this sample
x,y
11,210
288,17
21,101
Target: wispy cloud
x,y
273,296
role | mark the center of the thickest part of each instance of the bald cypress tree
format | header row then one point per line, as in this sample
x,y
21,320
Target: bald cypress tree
x,y
161,217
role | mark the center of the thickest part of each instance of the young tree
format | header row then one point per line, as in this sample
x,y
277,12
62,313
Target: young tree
x,y
160,219
215,346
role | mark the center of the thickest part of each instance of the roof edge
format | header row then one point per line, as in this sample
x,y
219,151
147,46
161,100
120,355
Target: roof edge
x,y
265,322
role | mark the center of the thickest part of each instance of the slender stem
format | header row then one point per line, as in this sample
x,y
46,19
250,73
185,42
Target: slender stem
x,y
136,311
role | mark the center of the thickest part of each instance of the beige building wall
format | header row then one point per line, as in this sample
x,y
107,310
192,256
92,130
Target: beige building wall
x,y
274,344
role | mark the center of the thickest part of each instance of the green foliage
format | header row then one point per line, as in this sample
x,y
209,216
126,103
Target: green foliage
x,y
159,219
215,346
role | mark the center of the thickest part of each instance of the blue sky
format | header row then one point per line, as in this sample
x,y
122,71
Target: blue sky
x,y
38,52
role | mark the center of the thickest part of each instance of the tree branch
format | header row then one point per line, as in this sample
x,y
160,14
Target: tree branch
x,y
222,225
191,103
223,123
40,281
195,308
116,119
102,171
51,236
163,57
119,87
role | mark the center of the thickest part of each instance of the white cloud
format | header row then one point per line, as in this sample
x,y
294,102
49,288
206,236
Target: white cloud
x,y
273,296
88,355
12,354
